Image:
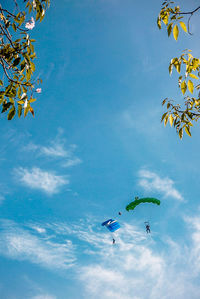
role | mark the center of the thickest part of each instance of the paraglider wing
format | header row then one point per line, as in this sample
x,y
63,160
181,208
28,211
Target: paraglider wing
x,y
138,201
112,225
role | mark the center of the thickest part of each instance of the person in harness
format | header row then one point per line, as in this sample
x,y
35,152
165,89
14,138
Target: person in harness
x,y
147,227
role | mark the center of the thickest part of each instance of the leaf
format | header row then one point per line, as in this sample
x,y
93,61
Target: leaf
x,y
187,130
163,116
178,67
171,119
11,113
31,100
190,86
164,101
193,76
32,66
19,110
6,106
166,120
183,87
21,102
14,27
170,68
175,32
32,111
165,19
183,26
26,111
16,61
180,133
169,29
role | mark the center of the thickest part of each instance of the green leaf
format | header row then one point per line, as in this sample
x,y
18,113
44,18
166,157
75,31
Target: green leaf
x,y
6,106
175,32
32,66
190,86
183,87
11,113
19,110
183,26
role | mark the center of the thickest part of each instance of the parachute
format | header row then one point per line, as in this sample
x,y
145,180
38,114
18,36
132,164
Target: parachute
x,y
112,225
138,201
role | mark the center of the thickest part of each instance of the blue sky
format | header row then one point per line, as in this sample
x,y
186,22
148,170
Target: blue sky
x,y
95,143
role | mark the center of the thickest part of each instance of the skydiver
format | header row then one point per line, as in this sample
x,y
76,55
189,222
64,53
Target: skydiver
x,y
148,228
113,241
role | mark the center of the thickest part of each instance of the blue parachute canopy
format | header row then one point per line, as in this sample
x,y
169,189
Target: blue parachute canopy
x,y
112,225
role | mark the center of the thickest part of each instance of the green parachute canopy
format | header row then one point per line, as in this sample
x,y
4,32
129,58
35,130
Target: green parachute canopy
x,y
138,201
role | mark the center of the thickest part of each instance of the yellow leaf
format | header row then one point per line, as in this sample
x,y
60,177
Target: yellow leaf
x,y
166,120
187,130
193,76
175,32
171,119
190,86
32,100
180,132
31,110
178,67
183,26
183,87
159,22
21,102
165,19
26,111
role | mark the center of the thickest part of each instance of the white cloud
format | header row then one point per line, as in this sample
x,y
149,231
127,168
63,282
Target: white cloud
x,y
18,243
150,181
39,229
57,150
138,266
36,178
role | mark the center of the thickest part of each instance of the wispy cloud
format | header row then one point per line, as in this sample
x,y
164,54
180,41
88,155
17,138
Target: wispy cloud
x,y
43,296
150,181
137,266
57,149
36,178
17,242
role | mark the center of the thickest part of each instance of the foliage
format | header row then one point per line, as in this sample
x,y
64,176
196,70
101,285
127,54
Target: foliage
x,y
17,55
188,68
